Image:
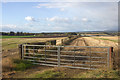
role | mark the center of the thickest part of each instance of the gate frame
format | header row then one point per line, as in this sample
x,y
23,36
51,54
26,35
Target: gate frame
x,y
109,54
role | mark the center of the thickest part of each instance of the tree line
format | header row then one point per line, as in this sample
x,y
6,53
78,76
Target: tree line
x,y
11,33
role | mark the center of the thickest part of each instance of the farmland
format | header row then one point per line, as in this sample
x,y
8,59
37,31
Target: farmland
x,y
12,43
109,38
3,37
10,50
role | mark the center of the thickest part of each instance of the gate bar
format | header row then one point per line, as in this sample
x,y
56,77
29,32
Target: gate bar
x,y
58,56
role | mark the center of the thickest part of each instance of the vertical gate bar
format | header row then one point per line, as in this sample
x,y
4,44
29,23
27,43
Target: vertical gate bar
x,y
90,57
45,53
108,65
74,56
59,56
34,54
24,49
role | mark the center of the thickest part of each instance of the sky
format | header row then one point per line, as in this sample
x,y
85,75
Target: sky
x,y
59,16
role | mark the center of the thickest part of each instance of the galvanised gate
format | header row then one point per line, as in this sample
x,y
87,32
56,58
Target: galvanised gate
x,y
82,57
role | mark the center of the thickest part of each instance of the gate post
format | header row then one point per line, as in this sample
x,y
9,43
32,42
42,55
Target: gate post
x,y
58,56
110,51
20,50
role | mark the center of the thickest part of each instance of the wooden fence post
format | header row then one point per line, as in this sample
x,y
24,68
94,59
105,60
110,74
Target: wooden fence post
x,y
110,57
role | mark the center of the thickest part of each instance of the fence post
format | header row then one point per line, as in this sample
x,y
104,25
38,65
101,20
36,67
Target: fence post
x,y
110,51
111,55
20,50
58,56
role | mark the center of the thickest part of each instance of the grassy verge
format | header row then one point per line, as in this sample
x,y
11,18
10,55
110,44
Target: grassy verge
x,y
21,65
99,74
107,39
48,74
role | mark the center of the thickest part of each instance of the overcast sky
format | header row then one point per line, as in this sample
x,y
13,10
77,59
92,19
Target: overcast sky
x,y
59,16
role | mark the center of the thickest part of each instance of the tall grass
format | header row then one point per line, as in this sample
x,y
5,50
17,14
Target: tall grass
x,y
21,65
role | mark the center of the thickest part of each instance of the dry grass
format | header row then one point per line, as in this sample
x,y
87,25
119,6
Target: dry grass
x,y
95,34
94,41
109,38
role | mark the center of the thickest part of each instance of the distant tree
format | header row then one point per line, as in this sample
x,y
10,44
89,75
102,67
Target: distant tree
x,y
71,33
12,33
21,33
18,33
4,33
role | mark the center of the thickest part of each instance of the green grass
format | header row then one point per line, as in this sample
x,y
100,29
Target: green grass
x,y
99,74
16,36
107,39
12,43
21,65
48,74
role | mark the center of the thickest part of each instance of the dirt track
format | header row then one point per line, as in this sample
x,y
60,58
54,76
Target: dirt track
x,y
78,42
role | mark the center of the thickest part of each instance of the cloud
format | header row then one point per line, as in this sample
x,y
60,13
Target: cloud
x,y
48,24
55,5
57,19
84,19
62,9
75,18
53,18
8,27
29,18
12,26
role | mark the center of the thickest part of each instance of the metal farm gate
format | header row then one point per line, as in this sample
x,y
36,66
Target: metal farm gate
x,y
82,57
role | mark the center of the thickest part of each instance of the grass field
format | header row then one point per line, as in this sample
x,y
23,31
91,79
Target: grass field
x,y
109,38
12,43
15,36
